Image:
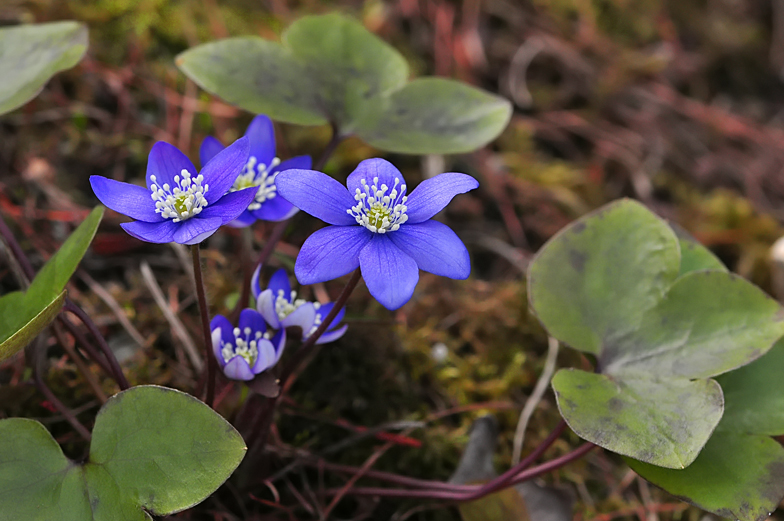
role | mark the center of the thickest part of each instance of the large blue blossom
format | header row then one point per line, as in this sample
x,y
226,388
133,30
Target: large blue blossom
x,y
248,349
178,205
281,308
260,171
377,227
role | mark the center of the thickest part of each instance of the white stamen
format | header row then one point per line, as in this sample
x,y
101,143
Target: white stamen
x,y
286,306
258,174
378,209
244,345
184,201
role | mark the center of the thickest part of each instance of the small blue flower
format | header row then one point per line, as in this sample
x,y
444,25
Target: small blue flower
x,y
281,308
260,171
178,205
246,350
377,227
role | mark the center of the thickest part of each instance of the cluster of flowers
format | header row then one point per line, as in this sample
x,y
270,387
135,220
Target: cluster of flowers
x,y
376,226
257,343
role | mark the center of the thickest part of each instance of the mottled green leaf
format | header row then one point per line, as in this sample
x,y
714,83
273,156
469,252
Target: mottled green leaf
x,y
331,69
596,279
154,450
31,54
695,256
24,315
608,285
619,413
348,66
435,114
256,75
740,472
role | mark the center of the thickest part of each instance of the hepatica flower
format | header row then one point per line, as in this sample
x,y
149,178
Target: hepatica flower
x,y
281,308
260,171
378,227
179,203
248,349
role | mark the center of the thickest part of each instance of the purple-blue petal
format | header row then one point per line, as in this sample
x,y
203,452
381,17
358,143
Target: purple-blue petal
x,y
166,161
434,247
252,319
331,336
299,162
330,253
243,221
390,275
158,233
303,317
317,194
255,282
324,310
196,229
216,346
209,148
230,206
432,195
261,134
222,170
238,369
227,330
279,342
265,304
266,356
280,282
274,210
371,168
127,199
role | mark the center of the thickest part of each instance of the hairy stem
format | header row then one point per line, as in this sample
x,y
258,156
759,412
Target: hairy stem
x,y
205,326
260,429
114,365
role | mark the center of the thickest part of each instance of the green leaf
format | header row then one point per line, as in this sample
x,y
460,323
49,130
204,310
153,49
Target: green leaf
x,y
31,54
435,114
331,69
37,482
607,409
740,472
695,256
256,75
154,450
608,285
24,315
9,305
348,66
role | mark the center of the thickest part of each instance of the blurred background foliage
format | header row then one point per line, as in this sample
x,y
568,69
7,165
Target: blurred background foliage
x,y
677,103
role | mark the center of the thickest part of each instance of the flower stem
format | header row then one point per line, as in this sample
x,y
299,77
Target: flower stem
x,y
310,344
479,491
205,325
330,148
114,365
260,428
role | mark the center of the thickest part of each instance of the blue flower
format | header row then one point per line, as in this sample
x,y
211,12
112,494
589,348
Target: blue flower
x,y
177,204
246,350
281,308
260,171
377,227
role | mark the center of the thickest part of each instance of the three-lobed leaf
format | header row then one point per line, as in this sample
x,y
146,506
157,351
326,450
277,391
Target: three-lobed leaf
x,y
740,472
31,54
25,314
153,450
330,68
616,285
